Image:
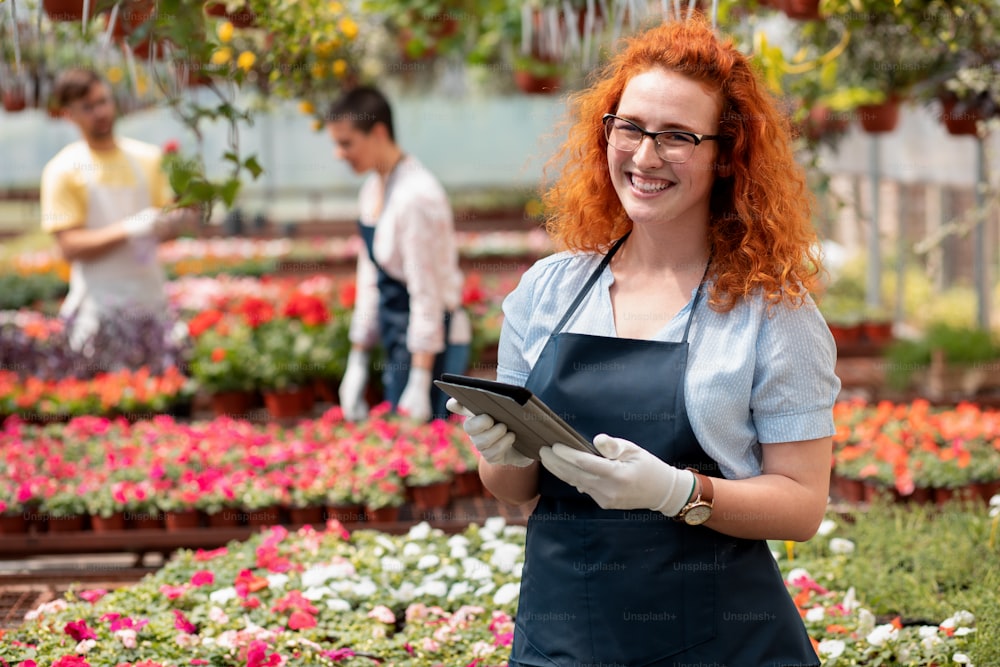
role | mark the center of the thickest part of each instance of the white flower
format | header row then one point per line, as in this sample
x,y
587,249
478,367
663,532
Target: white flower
x,y
930,643
776,555
86,645
421,531
386,542
473,568
337,604
882,634
314,593
815,615
316,575
412,549
505,556
457,540
223,595
797,573
961,659
826,527
840,546
927,631
484,589
495,524
458,589
428,561
127,637
518,566
391,564
482,649
515,531
961,632
850,602
406,592
49,607
433,589
275,581
217,615
428,644
831,648
458,552
506,593
364,588
184,640
866,621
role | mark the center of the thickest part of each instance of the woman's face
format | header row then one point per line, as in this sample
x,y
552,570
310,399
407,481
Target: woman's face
x,y
652,190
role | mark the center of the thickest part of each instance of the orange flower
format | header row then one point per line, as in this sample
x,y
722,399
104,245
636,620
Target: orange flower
x,y
218,355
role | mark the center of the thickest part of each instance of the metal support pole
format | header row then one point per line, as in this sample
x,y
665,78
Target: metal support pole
x,y
979,257
901,255
873,287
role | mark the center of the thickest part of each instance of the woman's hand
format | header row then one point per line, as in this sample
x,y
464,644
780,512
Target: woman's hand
x,y
627,478
492,439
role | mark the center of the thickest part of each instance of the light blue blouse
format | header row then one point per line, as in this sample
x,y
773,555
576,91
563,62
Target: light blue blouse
x,y
752,378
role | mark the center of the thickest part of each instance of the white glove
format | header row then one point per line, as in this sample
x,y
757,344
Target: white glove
x,y
352,386
415,400
490,438
142,223
628,478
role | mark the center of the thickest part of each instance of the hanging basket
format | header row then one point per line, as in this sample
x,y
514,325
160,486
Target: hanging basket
x,y
878,118
959,123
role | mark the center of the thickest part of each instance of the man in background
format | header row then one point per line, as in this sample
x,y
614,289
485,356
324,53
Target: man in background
x,y
104,199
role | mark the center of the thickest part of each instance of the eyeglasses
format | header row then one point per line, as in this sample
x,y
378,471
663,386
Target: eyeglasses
x,y
671,145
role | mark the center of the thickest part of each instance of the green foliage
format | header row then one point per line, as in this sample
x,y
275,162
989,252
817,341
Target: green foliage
x,y
960,345
22,291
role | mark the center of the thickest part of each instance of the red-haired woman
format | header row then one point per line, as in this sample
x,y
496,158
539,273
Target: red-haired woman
x,y
677,332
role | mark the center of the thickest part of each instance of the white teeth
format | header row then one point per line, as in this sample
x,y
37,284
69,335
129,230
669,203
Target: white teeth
x,y
643,186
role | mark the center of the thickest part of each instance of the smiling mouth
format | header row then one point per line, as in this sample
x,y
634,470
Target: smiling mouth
x,y
648,186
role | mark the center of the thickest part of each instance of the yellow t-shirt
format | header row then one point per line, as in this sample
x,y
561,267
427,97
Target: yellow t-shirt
x,y
65,179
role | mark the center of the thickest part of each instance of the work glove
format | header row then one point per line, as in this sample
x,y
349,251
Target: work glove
x,y
352,386
627,478
415,400
142,223
491,438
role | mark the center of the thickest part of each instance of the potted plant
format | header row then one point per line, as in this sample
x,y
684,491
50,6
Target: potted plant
x,y
536,75
222,361
946,360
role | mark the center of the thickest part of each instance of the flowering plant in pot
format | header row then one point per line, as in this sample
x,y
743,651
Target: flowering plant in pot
x,y
222,359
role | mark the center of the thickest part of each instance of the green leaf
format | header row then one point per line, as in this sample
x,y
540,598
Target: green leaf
x,y
251,165
229,190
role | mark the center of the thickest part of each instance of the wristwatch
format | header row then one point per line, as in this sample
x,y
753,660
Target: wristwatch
x,y
699,509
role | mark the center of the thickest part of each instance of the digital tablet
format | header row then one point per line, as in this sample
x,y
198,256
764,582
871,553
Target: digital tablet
x,y
533,423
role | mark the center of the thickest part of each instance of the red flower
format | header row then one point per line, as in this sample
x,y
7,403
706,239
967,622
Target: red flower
x,y
71,661
202,578
348,294
79,631
218,355
300,620
203,321
338,654
256,311
308,308
257,655
171,146
202,555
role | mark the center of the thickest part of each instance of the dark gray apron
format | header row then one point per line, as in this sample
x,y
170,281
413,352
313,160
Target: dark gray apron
x,y
393,320
633,587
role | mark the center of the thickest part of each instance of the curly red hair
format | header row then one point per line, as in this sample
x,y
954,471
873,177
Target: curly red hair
x,y
760,228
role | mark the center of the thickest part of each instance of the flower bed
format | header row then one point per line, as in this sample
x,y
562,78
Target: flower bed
x,y
94,465
912,447
424,599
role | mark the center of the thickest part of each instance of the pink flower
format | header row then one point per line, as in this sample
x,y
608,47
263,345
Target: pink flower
x,y
172,592
202,578
199,661
300,620
382,614
201,555
92,595
183,624
79,631
338,654
257,655
71,661
171,146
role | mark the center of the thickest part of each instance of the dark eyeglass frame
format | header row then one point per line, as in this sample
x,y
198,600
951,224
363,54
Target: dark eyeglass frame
x,y
696,138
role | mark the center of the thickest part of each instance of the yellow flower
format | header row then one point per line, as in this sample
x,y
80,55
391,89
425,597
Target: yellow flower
x,y
325,48
317,71
306,107
348,27
225,31
246,60
317,125
222,56
336,8
339,67
115,74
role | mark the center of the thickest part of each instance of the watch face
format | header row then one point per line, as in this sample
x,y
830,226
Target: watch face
x,y
698,515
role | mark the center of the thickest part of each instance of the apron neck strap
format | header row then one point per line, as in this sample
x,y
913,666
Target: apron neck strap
x,y
590,283
697,298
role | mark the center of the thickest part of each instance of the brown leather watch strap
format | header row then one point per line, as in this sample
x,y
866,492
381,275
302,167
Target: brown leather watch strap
x,y
707,490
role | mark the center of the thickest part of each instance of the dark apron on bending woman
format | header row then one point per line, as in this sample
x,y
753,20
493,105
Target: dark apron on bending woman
x,y
634,587
393,321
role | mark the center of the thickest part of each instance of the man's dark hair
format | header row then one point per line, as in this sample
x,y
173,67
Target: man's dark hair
x,y
74,84
364,106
